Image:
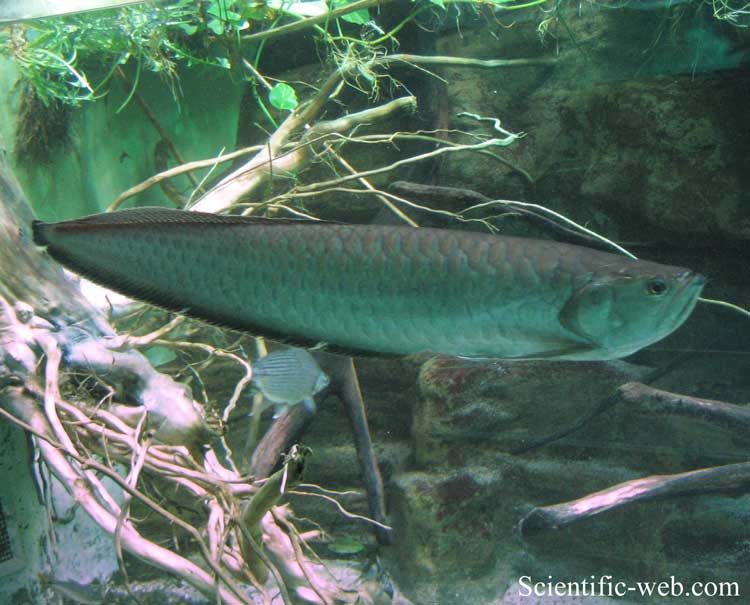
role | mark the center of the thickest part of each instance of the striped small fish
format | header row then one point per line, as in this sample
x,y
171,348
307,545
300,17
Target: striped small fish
x,y
289,377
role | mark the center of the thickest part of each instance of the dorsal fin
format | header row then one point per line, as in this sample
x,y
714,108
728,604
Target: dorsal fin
x,y
157,214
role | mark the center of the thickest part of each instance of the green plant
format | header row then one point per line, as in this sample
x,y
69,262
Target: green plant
x,y
71,59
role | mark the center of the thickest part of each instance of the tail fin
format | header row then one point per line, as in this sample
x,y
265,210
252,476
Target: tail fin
x,y
38,231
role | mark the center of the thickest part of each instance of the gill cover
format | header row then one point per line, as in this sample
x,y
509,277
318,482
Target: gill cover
x,y
590,311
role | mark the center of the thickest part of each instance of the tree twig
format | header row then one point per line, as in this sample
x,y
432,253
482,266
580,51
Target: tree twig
x,y
656,401
131,539
251,174
731,478
290,28
156,124
177,171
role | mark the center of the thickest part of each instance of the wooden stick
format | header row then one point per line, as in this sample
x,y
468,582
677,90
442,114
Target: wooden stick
x,y
278,439
344,382
656,401
729,478
311,21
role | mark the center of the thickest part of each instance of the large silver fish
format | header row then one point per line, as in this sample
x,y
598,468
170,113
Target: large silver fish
x,y
381,289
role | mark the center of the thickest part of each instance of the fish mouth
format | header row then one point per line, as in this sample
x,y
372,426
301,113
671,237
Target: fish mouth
x,y
692,285
695,280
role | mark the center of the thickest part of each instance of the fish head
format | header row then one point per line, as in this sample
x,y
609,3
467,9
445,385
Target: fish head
x,y
624,306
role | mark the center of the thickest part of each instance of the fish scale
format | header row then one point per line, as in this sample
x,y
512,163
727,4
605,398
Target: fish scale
x,y
377,288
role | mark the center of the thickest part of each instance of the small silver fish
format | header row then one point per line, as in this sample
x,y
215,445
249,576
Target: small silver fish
x,y
288,377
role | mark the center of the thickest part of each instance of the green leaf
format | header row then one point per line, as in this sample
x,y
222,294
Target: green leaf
x,y
439,3
159,355
282,96
188,29
216,10
216,26
360,17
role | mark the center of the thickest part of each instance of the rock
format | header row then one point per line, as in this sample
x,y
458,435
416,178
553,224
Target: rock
x,y
470,409
457,529
638,138
518,594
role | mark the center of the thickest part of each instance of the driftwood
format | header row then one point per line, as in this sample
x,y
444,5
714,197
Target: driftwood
x,y
654,401
272,158
48,329
346,385
602,406
730,478
455,196
292,422
285,431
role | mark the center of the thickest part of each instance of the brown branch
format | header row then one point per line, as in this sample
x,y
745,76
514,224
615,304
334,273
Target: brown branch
x,y
656,401
602,406
731,478
278,439
256,171
270,159
259,507
344,382
312,21
27,412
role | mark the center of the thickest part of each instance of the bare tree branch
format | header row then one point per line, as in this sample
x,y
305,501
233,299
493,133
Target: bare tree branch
x,y
656,401
731,478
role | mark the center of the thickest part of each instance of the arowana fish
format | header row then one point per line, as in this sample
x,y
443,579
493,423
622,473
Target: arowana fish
x,y
381,289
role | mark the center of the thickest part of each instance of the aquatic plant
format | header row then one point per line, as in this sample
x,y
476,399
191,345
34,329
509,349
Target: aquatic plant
x,y
72,58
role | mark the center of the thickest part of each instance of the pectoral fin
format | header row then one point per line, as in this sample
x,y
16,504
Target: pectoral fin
x,y
571,351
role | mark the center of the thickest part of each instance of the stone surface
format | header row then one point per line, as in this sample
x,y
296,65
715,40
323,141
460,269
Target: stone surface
x,y
637,134
456,515
34,553
501,406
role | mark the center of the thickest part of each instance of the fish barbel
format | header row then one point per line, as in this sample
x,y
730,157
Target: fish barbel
x,y
380,289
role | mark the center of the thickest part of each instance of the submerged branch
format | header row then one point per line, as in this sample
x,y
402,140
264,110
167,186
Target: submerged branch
x,y
26,410
731,478
290,28
466,62
255,172
397,164
268,161
656,401
260,506
367,185
177,171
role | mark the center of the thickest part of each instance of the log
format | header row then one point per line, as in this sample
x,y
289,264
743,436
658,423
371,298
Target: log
x,y
655,401
730,478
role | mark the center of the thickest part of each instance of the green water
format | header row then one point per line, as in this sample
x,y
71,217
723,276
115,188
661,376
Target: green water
x,y
628,119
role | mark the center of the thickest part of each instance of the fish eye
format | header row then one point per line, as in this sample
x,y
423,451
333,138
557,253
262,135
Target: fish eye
x,y
656,286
